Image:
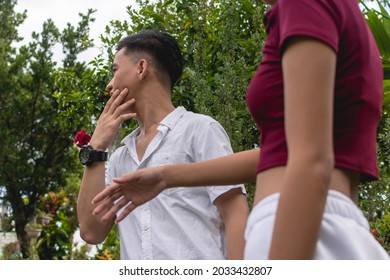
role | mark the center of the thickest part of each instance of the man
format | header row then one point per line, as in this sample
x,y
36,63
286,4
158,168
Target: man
x,y
180,223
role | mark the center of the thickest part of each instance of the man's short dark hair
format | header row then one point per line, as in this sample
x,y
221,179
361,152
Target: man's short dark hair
x,y
161,46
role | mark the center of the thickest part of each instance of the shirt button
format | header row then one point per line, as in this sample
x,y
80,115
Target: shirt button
x,y
146,228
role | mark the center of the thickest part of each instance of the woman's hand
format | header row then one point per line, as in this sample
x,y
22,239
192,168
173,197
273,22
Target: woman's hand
x,y
128,192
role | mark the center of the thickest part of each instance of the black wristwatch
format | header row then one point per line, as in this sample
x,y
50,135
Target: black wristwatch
x,y
89,155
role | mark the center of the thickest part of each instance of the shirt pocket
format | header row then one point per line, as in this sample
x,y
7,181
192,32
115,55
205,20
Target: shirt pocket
x,y
161,159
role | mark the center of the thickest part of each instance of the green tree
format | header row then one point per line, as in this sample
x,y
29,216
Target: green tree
x,y
37,152
56,238
221,43
219,63
375,196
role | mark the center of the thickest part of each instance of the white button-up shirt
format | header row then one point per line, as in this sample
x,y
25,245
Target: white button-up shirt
x,y
182,222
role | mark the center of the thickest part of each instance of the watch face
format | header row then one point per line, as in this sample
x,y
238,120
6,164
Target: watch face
x,y
84,155
88,155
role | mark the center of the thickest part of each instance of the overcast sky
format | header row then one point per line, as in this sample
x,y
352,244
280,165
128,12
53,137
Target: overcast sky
x,y
64,11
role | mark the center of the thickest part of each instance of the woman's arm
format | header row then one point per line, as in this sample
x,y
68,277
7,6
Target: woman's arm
x,y
140,186
228,170
309,72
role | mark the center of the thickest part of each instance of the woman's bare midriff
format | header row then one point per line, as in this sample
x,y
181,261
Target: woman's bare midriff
x,y
270,181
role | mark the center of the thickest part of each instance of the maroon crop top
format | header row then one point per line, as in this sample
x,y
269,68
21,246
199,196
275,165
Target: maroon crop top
x,y
358,84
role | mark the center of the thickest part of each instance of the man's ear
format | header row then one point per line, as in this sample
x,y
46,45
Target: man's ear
x,y
143,67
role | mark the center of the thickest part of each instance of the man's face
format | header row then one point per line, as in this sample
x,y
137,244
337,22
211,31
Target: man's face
x,y
125,74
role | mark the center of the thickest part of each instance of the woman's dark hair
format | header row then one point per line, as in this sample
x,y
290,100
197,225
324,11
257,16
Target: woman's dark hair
x,y
162,47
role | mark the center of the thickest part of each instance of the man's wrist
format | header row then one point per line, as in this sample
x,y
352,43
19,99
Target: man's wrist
x,y
97,146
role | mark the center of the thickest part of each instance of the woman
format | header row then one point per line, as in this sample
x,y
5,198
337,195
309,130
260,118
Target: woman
x,y
316,99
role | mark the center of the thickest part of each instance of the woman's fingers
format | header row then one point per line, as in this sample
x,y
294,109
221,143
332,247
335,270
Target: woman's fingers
x,y
112,199
126,211
107,203
114,209
107,192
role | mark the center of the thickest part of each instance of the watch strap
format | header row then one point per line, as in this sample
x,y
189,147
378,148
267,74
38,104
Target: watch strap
x,y
98,156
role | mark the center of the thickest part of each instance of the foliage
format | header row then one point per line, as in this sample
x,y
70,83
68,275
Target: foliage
x,y
11,251
32,226
43,105
110,247
220,42
37,153
33,249
374,197
219,63
381,230
384,3
212,55
57,236
81,253
7,223
105,255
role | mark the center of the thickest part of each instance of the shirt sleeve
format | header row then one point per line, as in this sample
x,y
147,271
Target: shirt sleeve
x,y
319,19
213,142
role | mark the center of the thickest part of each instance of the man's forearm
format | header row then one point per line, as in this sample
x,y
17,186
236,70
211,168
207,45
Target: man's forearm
x,y
92,229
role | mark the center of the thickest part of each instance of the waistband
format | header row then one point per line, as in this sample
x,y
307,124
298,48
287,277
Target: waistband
x,y
336,203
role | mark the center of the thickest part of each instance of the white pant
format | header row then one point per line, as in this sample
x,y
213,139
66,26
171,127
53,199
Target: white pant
x,y
345,232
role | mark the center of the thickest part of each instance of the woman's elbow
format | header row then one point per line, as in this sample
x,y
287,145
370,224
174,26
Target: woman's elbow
x,y
316,166
321,167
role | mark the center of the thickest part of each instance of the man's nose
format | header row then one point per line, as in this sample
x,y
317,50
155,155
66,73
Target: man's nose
x,y
109,88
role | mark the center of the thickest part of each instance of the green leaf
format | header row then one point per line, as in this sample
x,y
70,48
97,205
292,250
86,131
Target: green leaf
x,y
381,36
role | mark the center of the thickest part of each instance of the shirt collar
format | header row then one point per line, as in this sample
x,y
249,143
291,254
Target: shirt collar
x,y
169,121
172,118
